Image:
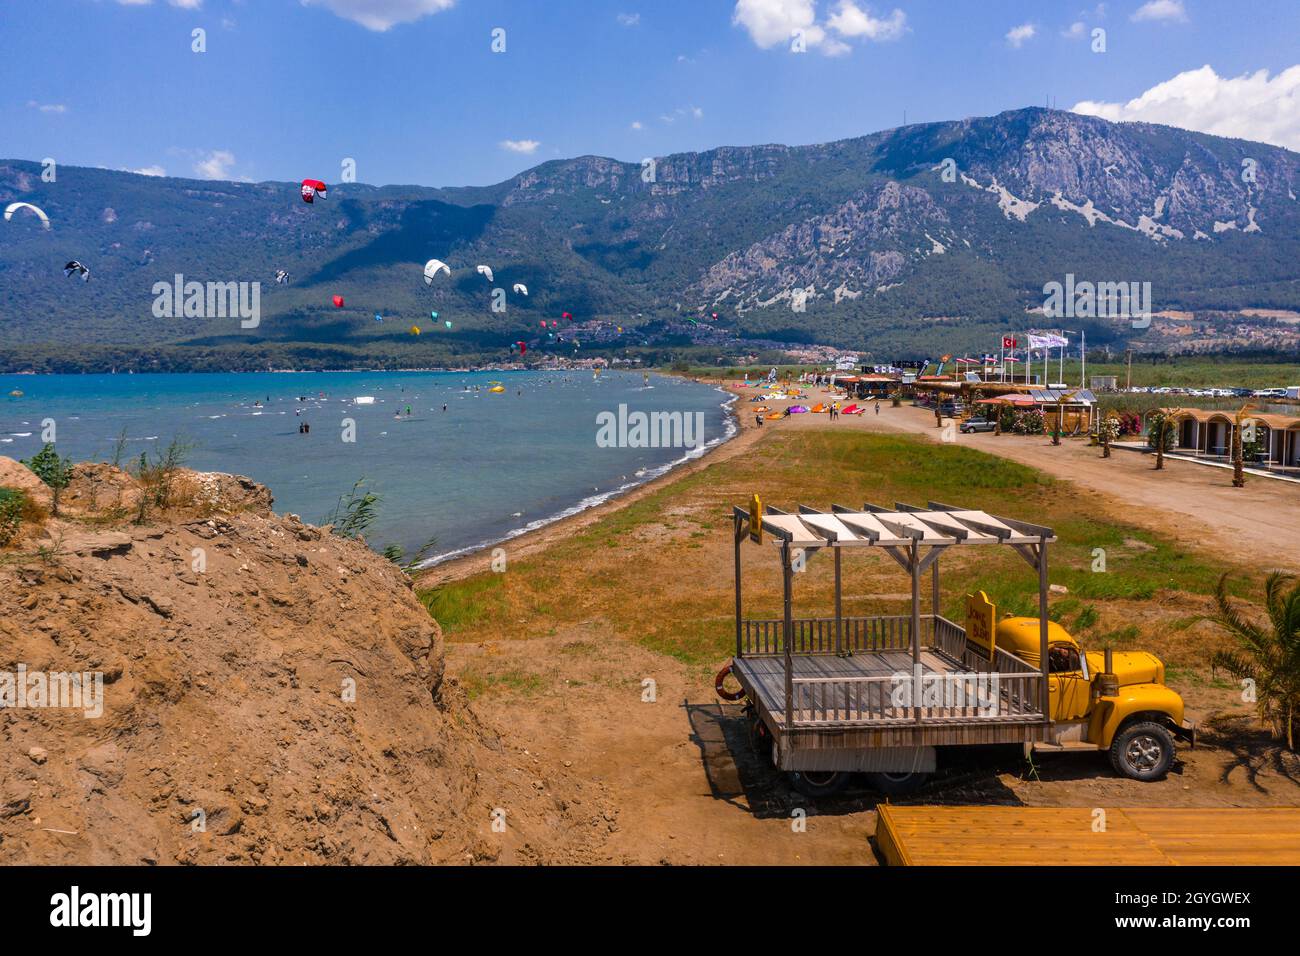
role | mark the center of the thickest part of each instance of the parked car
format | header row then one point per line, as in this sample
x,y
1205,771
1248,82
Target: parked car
x,y
978,425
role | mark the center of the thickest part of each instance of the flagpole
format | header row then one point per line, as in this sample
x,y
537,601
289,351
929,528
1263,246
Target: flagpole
x,y
1083,358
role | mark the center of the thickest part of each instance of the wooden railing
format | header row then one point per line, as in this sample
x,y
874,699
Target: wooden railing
x,y
979,689
816,635
961,697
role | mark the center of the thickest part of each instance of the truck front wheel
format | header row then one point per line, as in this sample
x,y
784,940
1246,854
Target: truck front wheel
x,y
1142,751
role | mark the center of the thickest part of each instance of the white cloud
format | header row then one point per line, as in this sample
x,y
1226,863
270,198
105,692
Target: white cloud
x,y
636,124
1019,36
629,19
694,112
1251,106
381,15
1075,31
1171,10
771,23
215,165
525,146
850,20
47,107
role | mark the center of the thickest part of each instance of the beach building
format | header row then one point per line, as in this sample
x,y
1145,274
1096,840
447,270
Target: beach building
x,y
1210,433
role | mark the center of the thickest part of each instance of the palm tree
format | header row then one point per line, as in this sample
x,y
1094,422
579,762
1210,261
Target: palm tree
x,y
1269,651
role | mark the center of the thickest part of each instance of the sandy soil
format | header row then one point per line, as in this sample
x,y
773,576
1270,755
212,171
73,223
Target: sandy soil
x,y
271,693
687,785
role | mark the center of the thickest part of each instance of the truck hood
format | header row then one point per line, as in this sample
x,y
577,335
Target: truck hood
x,y
1131,667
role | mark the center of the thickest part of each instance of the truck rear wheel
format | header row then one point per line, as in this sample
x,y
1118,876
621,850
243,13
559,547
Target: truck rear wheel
x,y
1142,751
819,783
897,784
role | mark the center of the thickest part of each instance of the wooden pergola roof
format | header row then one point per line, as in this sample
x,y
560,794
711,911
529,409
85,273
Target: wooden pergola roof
x,y
935,524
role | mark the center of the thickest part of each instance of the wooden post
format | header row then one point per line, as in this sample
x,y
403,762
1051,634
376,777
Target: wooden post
x,y
914,553
738,534
788,632
1043,696
839,609
934,591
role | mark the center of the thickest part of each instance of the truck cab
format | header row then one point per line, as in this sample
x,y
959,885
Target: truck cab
x,y
1115,701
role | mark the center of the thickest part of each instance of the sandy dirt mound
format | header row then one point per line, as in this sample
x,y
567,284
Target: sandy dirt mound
x,y
271,694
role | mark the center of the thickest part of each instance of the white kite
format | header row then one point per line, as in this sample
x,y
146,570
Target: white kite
x,y
14,207
432,268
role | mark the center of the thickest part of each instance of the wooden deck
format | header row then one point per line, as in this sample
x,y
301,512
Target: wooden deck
x,y
857,690
1050,836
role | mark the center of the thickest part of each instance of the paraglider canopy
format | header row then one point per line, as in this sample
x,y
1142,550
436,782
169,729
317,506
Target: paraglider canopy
x,y
338,302
432,268
415,330
281,277
76,267
486,272
311,188
447,323
40,213
567,315
521,288
378,317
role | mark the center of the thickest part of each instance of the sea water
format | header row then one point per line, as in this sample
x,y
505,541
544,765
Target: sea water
x,y
489,468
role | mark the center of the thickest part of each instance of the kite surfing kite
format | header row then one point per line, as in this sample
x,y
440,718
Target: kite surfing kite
x,y
378,317
485,271
415,330
432,268
521,289
311,188
76,267
338,302
40,213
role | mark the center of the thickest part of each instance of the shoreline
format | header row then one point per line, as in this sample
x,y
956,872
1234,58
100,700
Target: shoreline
x,y
479,558
591,503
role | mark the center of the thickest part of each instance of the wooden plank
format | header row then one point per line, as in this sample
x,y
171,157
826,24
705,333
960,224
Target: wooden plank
x,y
1051,836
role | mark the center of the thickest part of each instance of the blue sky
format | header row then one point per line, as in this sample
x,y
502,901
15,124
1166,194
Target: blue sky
x,y
288,88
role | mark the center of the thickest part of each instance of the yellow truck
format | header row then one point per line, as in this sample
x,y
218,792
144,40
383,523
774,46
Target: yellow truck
x,y
829,696
1112,701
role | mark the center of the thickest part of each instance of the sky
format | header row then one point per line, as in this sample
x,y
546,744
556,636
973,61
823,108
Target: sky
x,y
413,91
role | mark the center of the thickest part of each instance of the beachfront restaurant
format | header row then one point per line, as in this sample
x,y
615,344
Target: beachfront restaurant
x,y
1208,433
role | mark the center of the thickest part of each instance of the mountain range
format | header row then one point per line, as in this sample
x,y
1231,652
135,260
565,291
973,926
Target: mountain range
x,y
908,242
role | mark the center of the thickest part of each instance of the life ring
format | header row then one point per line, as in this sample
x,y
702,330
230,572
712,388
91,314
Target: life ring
x,y
723,692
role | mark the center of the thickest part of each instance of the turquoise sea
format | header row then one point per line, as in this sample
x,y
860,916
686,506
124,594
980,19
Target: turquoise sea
x,y
490,467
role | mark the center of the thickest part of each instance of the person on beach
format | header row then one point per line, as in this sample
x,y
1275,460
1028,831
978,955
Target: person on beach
x,y
758,419
877,407
444,406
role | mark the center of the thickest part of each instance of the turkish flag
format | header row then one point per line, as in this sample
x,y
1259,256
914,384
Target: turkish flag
x,y
1008,341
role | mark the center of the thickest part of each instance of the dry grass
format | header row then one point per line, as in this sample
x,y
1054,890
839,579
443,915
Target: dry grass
x,y
659,572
